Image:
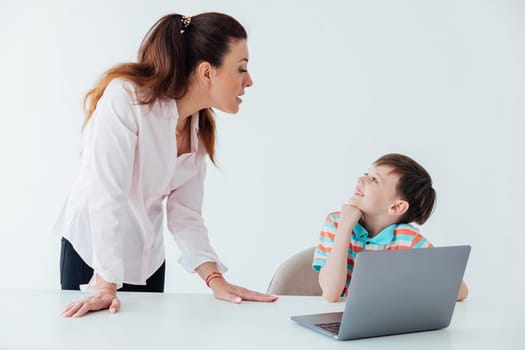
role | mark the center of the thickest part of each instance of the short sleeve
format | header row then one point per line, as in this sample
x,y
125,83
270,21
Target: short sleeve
x,y
421,242
326,241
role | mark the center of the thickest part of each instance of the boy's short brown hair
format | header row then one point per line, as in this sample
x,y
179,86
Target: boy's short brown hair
x,y
414,186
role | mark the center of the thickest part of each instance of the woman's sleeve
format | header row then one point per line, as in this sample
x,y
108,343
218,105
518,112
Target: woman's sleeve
x,y
114,138
185,222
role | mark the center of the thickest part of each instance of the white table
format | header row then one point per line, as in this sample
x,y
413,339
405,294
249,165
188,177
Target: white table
x,y
31,319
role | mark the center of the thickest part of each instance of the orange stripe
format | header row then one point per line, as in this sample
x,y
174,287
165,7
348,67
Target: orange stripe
x,y
416,241
323,248
405,232
397,247
357,249
329,220
328,234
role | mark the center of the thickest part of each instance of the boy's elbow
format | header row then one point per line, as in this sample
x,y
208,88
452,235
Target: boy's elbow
x,y
331,297
331,290
330,294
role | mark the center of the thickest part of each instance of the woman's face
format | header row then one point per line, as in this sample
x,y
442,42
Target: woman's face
x,y
228,82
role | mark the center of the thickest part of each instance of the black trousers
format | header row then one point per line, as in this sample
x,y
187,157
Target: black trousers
x,y
74,272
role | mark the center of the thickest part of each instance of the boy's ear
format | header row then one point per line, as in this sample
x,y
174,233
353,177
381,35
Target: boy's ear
x,y
398,208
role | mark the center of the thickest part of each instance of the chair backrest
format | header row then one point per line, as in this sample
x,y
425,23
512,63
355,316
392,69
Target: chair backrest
x,y
296,277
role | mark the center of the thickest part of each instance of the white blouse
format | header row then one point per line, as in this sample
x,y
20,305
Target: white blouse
x,y
114,214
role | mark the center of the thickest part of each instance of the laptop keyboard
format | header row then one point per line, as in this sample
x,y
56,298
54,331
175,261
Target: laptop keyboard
x,y
332,327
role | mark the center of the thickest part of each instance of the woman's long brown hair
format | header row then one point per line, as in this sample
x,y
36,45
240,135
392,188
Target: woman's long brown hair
x,y
168,55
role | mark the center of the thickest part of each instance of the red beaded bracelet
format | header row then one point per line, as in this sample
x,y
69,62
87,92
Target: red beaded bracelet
x,y
212,276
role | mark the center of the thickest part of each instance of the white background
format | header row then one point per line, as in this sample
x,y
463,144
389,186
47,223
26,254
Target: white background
x,y
336,85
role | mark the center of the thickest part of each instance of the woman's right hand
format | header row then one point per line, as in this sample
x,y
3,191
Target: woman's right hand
x,y
105,297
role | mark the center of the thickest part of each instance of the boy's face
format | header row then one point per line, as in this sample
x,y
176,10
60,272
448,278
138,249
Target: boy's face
x,y
375,191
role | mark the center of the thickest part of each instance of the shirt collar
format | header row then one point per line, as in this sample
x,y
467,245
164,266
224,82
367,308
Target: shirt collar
x,y
385,236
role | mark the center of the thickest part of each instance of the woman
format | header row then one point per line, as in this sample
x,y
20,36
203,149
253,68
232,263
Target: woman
x,y
149,126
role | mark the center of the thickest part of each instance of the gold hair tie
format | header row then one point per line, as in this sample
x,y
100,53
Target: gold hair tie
x,y
185,22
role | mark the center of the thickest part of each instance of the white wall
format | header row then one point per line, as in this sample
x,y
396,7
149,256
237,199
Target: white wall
x,y
337,84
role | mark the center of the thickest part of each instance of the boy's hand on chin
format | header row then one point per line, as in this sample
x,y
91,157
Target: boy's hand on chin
x,y
350,213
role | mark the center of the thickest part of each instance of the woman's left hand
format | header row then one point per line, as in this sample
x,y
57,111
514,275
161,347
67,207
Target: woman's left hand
x,y
235,294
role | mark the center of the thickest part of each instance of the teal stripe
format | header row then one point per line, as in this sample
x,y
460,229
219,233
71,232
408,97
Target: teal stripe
x,y
317,264
324,239
321,253
403,237
330,226
422,243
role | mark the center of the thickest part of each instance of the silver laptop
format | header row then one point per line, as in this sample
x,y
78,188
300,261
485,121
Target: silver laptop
x,y
394,292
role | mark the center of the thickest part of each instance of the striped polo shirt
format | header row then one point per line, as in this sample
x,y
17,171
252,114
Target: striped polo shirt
x,y
393,237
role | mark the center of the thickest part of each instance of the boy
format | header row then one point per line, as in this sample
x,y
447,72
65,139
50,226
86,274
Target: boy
x,y
395,191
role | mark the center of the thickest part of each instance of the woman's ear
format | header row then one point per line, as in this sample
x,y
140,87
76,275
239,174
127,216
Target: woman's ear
x,y
203,72
399,208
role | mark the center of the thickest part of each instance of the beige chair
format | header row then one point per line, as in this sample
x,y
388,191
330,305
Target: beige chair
x,y
296,277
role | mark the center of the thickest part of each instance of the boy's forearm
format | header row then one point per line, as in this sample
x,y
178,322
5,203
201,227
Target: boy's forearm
x,y
332,277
